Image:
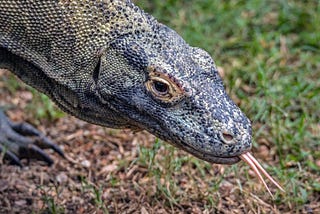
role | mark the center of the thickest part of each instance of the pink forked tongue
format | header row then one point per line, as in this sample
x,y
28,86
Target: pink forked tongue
x,y
255,166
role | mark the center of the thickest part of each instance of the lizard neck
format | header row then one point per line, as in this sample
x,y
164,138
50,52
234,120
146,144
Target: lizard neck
x,y
57,50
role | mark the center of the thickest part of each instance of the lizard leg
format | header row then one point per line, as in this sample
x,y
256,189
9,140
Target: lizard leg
x,y
21,140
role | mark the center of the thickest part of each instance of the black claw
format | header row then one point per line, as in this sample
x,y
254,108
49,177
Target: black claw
x,y
36,152
43,142
24,141
25,129
11,156
49,144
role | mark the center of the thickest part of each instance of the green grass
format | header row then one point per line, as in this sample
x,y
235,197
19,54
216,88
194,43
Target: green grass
x,y
40,107
96,194
45,107
270,52
51,203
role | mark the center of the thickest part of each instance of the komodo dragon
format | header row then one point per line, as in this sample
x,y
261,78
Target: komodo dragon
x,y
109,63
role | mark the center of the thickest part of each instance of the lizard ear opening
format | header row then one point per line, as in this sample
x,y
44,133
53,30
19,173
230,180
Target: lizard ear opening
x,y
96,72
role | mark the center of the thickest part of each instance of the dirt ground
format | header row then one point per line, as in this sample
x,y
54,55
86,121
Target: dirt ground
x,y
115,171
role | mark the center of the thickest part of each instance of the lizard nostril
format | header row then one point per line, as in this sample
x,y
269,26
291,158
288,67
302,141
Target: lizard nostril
x,y
227,138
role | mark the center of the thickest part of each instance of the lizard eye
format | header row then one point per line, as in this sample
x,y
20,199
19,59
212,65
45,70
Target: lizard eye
x,y
162,87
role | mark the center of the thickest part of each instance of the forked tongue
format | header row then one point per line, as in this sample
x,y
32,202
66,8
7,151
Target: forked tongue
x,y
255,166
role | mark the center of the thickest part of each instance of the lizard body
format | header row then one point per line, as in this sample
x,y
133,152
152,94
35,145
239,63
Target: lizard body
x,y
109,63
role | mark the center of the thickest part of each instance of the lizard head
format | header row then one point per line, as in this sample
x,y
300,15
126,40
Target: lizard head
x,y
157,82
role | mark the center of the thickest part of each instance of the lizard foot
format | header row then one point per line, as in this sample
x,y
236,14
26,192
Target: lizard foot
x,y
22,140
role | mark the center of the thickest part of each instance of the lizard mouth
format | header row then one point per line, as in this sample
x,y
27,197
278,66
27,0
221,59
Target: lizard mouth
x,y
212,158
222,160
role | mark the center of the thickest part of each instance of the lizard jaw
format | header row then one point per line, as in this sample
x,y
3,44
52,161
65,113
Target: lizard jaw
x,y
211,158
224,160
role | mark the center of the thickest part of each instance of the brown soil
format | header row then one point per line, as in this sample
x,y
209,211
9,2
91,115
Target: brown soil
x,y
104,173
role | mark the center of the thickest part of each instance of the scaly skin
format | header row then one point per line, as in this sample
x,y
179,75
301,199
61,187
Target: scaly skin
x,y
111,64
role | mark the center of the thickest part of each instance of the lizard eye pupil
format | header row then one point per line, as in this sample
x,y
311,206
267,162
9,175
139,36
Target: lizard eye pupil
x,y
160,87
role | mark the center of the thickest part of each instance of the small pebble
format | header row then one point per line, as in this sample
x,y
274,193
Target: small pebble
x,y
109,168
20,202
86,163
62,178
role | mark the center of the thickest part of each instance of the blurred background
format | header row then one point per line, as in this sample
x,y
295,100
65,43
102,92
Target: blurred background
x,y
268,53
